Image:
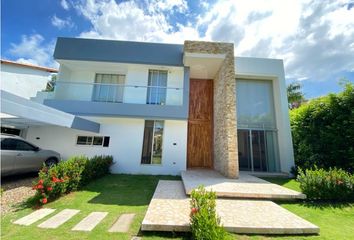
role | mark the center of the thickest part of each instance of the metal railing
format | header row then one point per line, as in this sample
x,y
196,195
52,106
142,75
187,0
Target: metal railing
x,y
118,93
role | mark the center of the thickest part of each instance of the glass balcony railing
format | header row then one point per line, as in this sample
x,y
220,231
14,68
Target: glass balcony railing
x,y
118,93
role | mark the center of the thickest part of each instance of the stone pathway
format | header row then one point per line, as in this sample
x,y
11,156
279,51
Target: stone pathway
x,y
59,218
123,223
90,222
246,186
34,217
169,210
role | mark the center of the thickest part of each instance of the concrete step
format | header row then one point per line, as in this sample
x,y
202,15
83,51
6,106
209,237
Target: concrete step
x,y
169,210
245,187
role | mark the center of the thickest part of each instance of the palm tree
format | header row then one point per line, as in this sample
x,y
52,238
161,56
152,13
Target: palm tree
x,y
295,96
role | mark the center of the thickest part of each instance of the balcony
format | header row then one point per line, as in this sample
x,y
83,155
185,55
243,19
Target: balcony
x,y
118,93
84,98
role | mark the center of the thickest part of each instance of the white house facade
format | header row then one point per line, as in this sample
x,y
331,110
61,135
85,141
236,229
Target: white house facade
x,y
165,108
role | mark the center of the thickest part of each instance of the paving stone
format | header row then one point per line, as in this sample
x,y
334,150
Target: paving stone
x,y
123,223
90,222
246,186
59,218
169,210
34,217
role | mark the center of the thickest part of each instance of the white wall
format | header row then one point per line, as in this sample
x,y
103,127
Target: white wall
x,y
272,69
84,72
23,81
126,139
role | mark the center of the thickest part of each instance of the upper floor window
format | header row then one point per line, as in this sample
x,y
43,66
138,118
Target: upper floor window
x,y
157,84
109,88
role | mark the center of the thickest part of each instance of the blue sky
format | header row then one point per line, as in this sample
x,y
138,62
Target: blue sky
x,y
314,38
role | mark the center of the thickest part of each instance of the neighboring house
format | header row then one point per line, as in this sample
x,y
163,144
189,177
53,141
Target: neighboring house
x,y
164,108
23,80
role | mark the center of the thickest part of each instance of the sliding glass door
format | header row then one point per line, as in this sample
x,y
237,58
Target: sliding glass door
x,y
257,150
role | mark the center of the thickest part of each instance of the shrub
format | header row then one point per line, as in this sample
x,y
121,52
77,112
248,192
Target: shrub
x,y
323,132
332,185
204,222
96,167
69,176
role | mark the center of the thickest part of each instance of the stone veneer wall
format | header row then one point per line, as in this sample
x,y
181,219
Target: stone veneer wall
x,y
225,129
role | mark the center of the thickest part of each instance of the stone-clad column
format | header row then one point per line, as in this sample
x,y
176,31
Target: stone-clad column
x,y
225,130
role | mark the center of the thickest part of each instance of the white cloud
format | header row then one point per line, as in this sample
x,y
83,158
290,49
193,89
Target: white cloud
x,y
315,38
65,4
61,23
32,50
131,21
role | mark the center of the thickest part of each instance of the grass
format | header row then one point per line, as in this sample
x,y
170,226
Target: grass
x,y
119,194
115,194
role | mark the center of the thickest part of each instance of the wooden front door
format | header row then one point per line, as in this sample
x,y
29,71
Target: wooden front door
x,y
200,124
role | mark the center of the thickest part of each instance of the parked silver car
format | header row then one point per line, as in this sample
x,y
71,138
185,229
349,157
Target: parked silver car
x,y
20,156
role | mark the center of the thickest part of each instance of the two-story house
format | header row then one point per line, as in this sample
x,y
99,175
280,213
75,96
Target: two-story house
x,y
165,108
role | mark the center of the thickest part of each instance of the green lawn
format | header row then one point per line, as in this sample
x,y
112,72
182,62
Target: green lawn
x,y
119,194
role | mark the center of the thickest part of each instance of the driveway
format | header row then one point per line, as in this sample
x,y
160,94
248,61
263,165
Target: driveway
x,y
16,189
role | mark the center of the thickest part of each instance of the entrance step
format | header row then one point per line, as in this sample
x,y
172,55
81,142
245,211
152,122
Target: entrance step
x,y
245,187
169,210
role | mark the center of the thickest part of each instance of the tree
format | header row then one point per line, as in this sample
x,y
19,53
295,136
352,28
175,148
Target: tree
x,y
295,96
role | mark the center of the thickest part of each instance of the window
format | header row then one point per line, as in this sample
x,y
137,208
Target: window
x,y
84,140
23,146
255,104
157,84
109,88
93,140
8,144
12,131
16,145
152,143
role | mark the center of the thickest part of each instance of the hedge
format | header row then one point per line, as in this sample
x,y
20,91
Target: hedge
x,y
323,131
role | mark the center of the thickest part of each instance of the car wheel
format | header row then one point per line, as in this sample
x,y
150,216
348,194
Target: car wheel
x,y
51,162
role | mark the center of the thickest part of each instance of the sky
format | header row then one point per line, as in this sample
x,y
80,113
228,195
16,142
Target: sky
x,y
315,39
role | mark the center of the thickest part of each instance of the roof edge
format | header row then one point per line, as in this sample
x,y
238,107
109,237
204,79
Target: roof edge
x,y
41,68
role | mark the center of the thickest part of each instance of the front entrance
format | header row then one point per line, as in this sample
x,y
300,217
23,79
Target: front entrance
x,y
200,124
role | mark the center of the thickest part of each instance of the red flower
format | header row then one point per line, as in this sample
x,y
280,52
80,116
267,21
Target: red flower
x,y
49,188
39,186
194,210
40,181
44,200
54,179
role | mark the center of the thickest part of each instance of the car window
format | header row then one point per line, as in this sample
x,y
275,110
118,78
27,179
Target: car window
x,y
8,144
23,146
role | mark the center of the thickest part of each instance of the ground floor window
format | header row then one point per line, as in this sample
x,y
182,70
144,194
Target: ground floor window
x,y
258,150
152,142
93,140
12,131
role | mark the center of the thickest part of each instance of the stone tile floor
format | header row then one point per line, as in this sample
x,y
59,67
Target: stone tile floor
x,y
246,186
169,211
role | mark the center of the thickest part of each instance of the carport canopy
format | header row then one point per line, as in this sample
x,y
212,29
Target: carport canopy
x,y
20,112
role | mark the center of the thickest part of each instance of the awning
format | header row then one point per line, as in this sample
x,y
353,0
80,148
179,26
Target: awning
x,y
18,111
